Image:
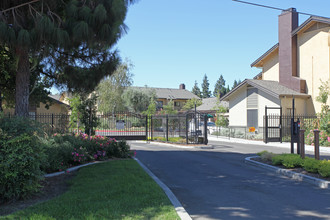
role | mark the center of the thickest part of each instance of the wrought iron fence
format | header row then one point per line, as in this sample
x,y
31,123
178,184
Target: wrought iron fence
x,y
187,128
51,123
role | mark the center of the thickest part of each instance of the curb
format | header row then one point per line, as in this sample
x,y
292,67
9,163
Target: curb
x,y
71,169
178,145
176,203
323,184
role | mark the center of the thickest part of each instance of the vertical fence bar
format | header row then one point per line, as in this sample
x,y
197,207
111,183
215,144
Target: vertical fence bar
x,y
187,127
166,127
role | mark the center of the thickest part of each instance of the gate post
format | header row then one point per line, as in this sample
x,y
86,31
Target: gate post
x,y
302,143
187,125
281,134
266,125
147,128
167,128
205,130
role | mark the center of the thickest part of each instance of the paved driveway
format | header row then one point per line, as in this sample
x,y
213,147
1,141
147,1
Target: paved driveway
x,y
217,184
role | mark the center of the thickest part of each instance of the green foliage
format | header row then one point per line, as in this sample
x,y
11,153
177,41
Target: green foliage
x,y
324,169
180,140
262,153
311,165
111,89
21,157
190,104
218,86
75,116
288,160
73,39
169,109
292,160
277,160
88,111
152,108
265,155
138,100
196,90
206,93
221,120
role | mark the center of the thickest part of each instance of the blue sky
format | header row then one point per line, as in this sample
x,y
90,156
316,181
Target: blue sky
x,y
178,41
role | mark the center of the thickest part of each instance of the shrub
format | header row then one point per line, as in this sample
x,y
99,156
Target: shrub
x,y
262,152
267,156
311,165
292,160
277,160
324,169
21,156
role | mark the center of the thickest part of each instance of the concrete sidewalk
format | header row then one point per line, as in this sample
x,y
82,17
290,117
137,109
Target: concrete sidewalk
x,y
286,145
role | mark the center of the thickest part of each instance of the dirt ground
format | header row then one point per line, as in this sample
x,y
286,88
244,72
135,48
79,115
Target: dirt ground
x,y
52,187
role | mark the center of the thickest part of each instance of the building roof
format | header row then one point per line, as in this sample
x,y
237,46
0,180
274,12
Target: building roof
x,y
311,20
171,94
263,56
210,104
272,88
56,98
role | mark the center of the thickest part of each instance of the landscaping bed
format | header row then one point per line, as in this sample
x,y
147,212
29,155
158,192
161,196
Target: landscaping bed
x,y
308,166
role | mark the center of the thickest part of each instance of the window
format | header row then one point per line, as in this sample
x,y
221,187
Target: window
x,y
177,104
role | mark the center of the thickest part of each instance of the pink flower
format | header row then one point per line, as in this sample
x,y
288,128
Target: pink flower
x,y
95,156
328,139
68,171
77,154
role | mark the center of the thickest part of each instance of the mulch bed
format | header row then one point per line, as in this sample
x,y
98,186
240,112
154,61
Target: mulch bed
x,y
297,170
52,187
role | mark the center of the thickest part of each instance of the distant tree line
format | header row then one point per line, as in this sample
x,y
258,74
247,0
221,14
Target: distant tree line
x,y
220,88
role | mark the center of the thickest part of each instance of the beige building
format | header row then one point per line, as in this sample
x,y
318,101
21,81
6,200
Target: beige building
x,y
57,105
165,95
294,67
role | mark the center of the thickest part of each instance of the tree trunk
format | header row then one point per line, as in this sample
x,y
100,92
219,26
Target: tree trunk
x,y
1,109
22,83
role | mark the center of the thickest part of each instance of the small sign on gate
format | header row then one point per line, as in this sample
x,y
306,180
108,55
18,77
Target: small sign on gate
x,y
252,129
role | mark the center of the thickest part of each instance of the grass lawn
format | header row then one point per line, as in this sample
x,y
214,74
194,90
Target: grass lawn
x,y
113,190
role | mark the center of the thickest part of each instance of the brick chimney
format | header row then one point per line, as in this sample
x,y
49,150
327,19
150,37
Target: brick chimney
x,y
182,86
287,22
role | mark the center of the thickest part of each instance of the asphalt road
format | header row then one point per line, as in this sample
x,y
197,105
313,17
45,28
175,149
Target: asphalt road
x,y
217,184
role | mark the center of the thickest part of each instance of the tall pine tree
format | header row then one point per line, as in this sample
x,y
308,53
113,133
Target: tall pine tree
x,y
196,90
218,86
73,37
206,93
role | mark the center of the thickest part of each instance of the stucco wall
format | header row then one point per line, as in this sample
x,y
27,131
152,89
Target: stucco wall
x,y
55,108
266,100
301,105
313,61
270,70
237,108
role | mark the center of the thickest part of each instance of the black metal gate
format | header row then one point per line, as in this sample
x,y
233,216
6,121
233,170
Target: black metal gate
x,y
273,125
123,126
196,131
